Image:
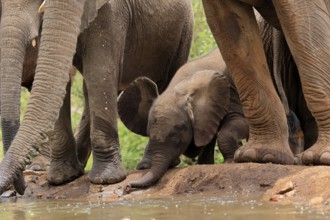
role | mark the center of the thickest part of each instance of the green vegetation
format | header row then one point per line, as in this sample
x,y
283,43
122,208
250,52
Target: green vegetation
x,y
132,146
203,41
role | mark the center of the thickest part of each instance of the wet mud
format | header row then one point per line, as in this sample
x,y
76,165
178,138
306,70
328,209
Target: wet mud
x,y
307,185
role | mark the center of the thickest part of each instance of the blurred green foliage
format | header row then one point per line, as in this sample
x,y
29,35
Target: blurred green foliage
x,y
132,145
203,40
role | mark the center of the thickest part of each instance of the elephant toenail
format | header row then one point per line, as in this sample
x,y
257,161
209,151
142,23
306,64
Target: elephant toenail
x,y
249,155
308,158
112,180
35,167
325,158
98,180
269,158
237,156
58,181
297,160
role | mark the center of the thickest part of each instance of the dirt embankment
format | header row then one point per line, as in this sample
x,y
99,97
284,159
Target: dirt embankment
x,y
276,183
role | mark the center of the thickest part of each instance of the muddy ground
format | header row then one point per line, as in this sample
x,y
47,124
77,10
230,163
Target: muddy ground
x,y
305,185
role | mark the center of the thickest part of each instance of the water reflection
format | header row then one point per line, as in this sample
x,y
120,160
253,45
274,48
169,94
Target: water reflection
x,y
185,207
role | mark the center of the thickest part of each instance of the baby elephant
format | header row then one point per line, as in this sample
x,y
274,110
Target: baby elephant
x,y
186,117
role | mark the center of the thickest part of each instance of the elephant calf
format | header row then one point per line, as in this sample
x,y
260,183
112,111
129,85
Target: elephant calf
x,y
185,118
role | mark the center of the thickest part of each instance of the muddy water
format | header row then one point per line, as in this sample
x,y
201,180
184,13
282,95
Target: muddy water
x,y
187,207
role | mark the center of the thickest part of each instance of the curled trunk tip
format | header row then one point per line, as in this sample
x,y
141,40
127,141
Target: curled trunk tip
x,y
150,178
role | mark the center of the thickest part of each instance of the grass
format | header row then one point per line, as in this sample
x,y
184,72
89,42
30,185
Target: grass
x,y
132,145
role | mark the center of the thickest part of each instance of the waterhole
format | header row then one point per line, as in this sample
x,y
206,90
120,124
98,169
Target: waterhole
x,y
182,207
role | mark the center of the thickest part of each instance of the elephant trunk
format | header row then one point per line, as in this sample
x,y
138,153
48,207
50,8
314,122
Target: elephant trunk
x,y
160,163
14,32
61,26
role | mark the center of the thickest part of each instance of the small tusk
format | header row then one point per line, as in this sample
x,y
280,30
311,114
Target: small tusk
x,y
34,43
42,7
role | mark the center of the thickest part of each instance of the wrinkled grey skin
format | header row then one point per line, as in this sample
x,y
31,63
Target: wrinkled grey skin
x,y
287,84
11,100
241,45
285,74
113,49
186,117
10,105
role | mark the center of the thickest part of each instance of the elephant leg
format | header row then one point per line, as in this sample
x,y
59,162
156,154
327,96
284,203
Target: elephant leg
x,y
82,136
235,29
296,134
64,164
309,127
207,154
102,62
233,130
306,26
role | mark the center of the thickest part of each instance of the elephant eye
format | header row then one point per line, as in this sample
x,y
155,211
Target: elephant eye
x,y
174,136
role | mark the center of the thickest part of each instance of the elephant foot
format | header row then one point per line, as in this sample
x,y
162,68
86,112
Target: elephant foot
x,y
144,164
228,160
19,186
258,152
318,154
39,163
63,171
107,172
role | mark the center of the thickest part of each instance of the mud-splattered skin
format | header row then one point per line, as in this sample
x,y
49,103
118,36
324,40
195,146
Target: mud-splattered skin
x,y
305,25
113,48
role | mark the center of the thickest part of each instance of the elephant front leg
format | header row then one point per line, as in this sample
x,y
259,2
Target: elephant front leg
x,y
306,26
64,164
233,130
235,29
207,154
102,93
104,46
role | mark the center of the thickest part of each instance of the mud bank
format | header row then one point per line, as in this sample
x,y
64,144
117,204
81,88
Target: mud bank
x,y
275,183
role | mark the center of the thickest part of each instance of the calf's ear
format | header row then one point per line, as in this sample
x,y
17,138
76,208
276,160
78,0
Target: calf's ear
x,y
135,102
207,95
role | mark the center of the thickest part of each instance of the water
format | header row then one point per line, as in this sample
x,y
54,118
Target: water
x,y
185,207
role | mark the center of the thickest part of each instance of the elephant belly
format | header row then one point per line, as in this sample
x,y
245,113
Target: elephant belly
x,y
153,44
154,65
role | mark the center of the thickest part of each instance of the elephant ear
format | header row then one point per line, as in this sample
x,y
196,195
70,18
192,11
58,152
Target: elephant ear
x,y
91,9
207,96
135,102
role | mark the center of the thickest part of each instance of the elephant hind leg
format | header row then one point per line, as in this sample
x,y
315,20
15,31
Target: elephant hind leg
x,y
64,164
307,32
296,134
82,136
236,31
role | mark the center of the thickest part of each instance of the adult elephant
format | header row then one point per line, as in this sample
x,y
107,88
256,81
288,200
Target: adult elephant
x,y
119,41
10,90
306,26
